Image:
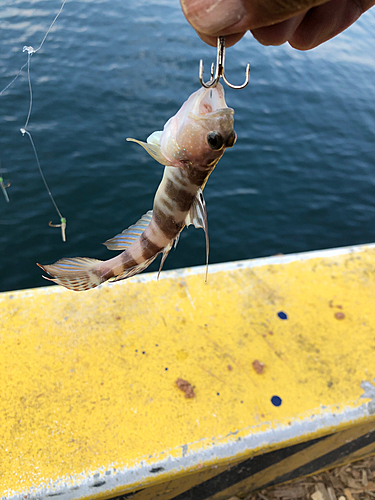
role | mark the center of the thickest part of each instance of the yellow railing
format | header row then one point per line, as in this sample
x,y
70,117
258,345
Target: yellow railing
x,y
276,354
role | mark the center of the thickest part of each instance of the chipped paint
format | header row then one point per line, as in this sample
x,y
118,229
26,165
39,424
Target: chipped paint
x,y
369,393
90,406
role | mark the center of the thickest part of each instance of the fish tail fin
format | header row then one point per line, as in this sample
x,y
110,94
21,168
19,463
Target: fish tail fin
x,y
75,274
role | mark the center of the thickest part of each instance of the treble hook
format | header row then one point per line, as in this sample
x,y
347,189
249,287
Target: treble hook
x,y
62,225
219,73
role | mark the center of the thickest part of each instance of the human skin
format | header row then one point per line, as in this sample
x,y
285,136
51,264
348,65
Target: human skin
x,y
304,24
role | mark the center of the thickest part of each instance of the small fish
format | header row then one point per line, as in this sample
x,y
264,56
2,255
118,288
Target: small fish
x,y
190,145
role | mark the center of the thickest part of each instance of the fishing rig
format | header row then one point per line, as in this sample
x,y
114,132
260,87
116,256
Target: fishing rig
x,y
30,51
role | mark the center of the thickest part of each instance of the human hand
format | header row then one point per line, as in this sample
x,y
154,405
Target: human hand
x,y
305,24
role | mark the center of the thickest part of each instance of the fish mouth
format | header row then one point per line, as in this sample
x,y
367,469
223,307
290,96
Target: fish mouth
x,y
209,103
212,114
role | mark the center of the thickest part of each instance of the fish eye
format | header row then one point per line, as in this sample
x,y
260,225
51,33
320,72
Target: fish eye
x,y
231,140
215,140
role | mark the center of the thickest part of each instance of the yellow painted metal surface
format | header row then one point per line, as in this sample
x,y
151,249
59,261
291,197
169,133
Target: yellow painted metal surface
x,y
89,379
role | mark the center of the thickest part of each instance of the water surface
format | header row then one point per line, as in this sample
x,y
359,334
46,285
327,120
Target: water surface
x,y
301,176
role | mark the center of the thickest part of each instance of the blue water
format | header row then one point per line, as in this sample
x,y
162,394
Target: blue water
x,y
301,176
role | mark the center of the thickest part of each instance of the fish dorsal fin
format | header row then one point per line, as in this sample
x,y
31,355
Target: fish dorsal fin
x,y
198,217
152,146
123,240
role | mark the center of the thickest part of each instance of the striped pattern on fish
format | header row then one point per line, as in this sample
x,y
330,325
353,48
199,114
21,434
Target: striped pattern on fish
x,y
190,145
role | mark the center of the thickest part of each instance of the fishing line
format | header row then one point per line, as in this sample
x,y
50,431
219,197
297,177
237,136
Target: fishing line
x,y
14,79
30,51
62,219
49,29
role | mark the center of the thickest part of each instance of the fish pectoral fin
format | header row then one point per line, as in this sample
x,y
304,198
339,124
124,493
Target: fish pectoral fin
x,y
153,149
123,240
76,274
155,137
198,217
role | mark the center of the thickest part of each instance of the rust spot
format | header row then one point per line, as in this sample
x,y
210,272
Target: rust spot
x,y
339,315
186,387
230,367
258,366
270,332
118,317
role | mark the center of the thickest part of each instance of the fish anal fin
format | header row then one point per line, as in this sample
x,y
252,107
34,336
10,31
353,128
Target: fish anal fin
x,y
128,273
166,251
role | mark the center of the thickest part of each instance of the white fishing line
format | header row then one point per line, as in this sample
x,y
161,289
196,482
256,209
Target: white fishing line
x,y
14,79
62,219
30,51
29,54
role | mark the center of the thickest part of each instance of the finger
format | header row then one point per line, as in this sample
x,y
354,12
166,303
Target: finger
x,y
278,33
213,18
229,39
324,22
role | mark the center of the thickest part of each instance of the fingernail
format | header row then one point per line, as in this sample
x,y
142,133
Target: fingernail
x,y
213,16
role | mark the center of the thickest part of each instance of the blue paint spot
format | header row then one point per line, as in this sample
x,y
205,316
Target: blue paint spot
x,y
218,393
276,400
136,350
166,369
282,315
143,352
